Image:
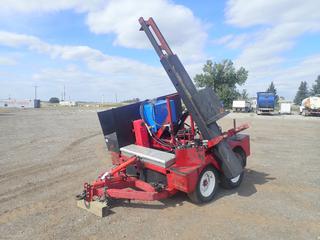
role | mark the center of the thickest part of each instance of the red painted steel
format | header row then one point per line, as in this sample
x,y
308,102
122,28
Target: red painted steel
x,y
122,166
163,43
169,119
141,133
181,176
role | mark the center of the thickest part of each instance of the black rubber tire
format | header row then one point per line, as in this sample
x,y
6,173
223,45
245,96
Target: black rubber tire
x,y
228,183
305,113
242,155
196,196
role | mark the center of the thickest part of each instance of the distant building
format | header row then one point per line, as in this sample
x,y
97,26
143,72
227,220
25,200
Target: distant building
x,y
283,100
68,103
253,102
16,103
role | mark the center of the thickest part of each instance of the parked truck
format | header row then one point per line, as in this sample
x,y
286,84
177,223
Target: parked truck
x,y
253,102
265,102
310,106
241,106
285,108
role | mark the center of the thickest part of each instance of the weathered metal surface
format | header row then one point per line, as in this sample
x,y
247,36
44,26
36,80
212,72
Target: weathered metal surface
x,y
116,125
153,156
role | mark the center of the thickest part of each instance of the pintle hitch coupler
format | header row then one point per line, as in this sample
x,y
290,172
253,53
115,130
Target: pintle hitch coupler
x,y
82,195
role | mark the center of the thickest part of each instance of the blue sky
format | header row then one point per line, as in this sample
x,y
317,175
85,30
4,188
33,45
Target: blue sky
x,y
94,47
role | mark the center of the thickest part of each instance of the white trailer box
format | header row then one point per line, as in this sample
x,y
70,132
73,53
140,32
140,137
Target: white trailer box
x,y
16,103
68,103
254,104
285,108
241,106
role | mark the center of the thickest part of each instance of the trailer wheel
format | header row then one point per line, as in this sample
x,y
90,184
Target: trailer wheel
x,y
235,182
206,187
304,113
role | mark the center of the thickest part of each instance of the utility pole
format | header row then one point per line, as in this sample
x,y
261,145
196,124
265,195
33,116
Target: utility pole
x,y
35,91
64,92
116,97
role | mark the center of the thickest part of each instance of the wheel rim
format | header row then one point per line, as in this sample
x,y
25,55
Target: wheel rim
x,y
235,180
207,183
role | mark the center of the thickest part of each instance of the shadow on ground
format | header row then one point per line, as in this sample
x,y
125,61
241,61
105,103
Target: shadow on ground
x,y
6,114
246,189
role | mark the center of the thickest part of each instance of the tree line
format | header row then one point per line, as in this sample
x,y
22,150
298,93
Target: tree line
x,y
304,92
224,78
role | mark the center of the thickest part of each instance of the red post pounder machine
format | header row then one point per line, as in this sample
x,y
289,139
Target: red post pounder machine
x,y
158,148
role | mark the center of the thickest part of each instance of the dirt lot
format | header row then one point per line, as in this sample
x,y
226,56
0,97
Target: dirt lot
x,y
46,155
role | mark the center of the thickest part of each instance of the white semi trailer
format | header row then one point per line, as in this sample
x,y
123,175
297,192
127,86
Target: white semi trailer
x,y
310,106
285,108
241,106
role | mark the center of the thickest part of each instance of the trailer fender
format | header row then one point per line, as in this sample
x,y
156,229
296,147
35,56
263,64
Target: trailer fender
x,y
238,150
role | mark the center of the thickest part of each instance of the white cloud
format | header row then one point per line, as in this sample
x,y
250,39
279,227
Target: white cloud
x,y
287,79
94,58
30,6
243,14
184,32
7,61
233,41
239,41
223,40
128,77
303,71
97,84
279,24
283,21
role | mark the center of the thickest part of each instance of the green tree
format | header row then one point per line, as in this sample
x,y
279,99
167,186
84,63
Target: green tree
x,y
54,100
302,93
316,87
273,89
222,78
244,95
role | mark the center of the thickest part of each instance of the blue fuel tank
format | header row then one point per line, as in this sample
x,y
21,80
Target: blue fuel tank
x,y
156,112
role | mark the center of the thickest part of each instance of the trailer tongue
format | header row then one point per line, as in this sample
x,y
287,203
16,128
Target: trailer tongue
x,y
158,149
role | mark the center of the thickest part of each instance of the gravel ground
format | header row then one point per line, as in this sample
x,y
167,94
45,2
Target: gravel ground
x,y
46,155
